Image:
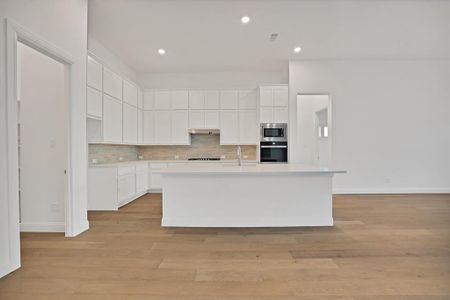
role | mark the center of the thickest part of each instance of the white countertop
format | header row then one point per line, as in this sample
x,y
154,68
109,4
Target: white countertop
x,y
247,168
178,161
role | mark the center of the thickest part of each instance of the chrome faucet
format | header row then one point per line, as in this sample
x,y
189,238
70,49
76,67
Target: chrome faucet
x,y
239,154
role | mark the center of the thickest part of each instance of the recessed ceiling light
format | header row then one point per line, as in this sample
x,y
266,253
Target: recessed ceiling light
x,y
161,51
297,49
245,19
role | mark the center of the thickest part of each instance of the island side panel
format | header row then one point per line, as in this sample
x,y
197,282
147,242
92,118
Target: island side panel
x,y
247,200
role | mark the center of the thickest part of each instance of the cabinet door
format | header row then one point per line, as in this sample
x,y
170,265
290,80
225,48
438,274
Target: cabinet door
x,y
112,84
130,124
180,124
248,132
212,119
229,127
94,74
265,96
126,187
280,96
112,120
180,100
162,100
141,181
94,103
247,99
148,126
140,126
280,115
196,99
229,100
197,119
266,115
162,127
130,93
149,100
212,100
140,99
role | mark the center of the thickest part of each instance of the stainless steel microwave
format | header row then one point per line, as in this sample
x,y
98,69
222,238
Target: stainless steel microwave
x,y
273,132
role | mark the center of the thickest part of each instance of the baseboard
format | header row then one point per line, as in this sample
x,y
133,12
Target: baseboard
x,y
195,222
42,227
6,269
154,190
392,191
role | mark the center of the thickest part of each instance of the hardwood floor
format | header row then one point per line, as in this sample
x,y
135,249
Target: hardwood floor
x,y
382,247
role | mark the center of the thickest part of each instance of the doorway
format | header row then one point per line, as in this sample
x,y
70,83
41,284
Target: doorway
x,y
314,129
42,140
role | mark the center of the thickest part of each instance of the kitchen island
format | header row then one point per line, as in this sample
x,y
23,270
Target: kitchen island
x,y
251,195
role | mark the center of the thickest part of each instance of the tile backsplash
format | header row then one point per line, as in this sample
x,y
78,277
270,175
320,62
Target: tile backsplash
x,y
111,153
201,145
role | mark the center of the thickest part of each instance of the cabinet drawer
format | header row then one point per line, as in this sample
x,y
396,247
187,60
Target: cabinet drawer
x,y
125,170
141,167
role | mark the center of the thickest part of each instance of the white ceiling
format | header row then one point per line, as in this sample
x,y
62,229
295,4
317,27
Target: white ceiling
x,y
207,35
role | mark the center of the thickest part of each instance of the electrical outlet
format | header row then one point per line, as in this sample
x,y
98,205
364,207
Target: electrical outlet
x,y
176,157
245,156
141,157
223,157
120,158
94,160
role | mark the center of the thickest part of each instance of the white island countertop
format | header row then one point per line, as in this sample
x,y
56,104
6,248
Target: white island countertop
x,y
247,168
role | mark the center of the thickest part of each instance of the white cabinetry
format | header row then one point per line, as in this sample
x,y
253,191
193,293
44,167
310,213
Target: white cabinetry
x,y
248,130
130,124
180,99
229,99
212,100
154,180
162,127
196,119
212,119
274,104
179,127
110,187
247,99
196,100
112,84
94,103
148,124
94,74
112,120
130,93
149,98
162,100
229,127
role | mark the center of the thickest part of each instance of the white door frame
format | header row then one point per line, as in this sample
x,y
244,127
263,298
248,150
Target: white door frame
x,y
14,34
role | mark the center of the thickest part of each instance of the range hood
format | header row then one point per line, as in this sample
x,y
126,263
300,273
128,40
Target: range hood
x,y
204,131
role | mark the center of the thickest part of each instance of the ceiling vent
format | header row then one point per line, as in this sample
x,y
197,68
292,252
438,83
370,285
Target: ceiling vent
x,y
273,37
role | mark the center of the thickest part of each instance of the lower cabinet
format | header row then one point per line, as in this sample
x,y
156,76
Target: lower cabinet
x,y
110,187
155,182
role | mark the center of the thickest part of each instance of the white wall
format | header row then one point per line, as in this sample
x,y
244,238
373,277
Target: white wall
x,y
110,60
43,141
390,119
64,24
211,80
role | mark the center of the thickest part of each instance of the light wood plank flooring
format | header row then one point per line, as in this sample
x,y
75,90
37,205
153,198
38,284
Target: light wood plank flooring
x,y
382,247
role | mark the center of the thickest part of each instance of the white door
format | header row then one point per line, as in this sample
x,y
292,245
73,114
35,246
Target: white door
x,y
148,127
43,148
247,99
162,127
130,124
180,124
248,130
229,127
112,120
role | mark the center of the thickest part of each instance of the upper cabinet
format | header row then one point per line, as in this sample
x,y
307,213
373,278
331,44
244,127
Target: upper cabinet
x,y
162,100
149,99
229,99
112,84
212,100
247,99
94,74
112,120
94,103
180,99
179,128
274,103
196,99
130,93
